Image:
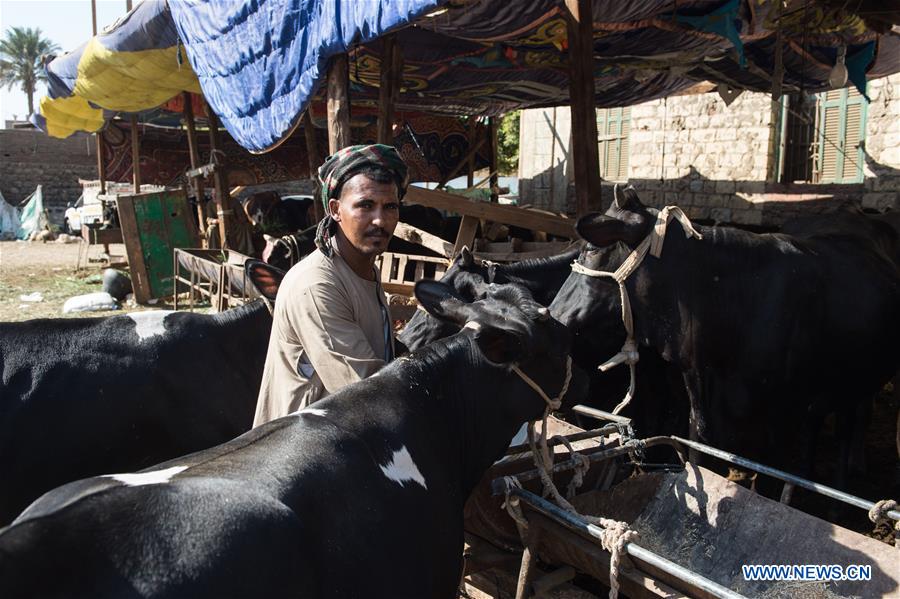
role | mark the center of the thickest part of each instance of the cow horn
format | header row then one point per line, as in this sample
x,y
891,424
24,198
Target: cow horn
x,y
618,200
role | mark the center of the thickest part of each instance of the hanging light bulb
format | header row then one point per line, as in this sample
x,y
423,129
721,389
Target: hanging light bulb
x,y
838,76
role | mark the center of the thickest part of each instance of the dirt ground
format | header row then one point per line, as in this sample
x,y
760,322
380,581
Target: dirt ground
x,y
50,269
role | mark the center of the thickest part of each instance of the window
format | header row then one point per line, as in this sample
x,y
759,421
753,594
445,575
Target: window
x,y
613,126
821,137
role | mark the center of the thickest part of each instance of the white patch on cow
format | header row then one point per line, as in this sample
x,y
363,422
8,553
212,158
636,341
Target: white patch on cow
x,y
150,323
139,479
473,325
402,468
314,411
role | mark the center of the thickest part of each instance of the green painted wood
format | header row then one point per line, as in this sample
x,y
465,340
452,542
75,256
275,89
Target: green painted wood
x,y
163,224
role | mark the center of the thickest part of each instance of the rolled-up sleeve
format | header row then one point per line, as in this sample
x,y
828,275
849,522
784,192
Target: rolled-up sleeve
x,y
332,340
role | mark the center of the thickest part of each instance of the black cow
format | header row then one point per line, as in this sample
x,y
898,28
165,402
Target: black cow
x,y
359,495
770,331
80,397
659,407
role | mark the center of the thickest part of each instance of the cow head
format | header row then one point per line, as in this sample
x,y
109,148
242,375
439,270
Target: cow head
x,y
509,329
266,278
594,303
467,278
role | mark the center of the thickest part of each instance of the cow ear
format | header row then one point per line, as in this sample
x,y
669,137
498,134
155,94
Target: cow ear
x,y
499,346
466,259
267,279
603,231
441,301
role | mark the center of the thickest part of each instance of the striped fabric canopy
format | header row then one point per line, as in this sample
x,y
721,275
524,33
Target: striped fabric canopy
x,y
259,63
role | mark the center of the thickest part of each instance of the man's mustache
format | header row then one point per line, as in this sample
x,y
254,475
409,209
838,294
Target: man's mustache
x,y
376,232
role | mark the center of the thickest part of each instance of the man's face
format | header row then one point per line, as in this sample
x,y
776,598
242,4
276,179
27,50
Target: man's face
x,y
367,213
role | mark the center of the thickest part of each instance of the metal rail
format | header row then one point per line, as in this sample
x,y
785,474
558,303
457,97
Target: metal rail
x,y
573,522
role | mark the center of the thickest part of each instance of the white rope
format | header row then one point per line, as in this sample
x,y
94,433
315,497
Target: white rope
x,y
879,511
651,244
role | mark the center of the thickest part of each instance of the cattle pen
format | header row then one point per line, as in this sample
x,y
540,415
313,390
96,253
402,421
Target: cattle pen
x,y
696,533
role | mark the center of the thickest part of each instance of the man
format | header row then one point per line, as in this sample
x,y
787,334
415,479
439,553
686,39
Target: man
x,y
331,322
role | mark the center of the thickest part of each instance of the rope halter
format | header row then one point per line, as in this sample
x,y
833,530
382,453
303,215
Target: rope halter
x,y
652,243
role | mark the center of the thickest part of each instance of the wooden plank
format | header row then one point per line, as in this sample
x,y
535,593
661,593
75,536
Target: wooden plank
x,y
467,159
398,288
471,132
219,180
338,103
423,238
555,225
312,152
402,259
466,235
135,154
385,91
132,239
585,153
493,123
194,152
517,256
95,236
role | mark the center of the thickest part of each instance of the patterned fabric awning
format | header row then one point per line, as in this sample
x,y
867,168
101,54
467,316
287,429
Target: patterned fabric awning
x,y
260,62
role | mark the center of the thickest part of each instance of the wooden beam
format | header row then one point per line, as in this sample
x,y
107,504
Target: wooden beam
x,y
510,215
424,238
338,103
101,146
315,160
219,177
470,132
466,235
194,152
386,91
493,123
135,154
585,153
467,159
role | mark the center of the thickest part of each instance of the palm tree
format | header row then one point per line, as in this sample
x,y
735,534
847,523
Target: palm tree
x,y
21,53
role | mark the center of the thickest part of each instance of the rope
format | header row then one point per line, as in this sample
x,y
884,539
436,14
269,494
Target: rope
x,y
615,533
652,244
879,511
512,504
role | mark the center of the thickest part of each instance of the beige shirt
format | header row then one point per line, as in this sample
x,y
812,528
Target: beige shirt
x,y
328,331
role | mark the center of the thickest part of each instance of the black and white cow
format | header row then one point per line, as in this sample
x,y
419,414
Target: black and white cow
x,y
359,495
660,405
80,397
771,332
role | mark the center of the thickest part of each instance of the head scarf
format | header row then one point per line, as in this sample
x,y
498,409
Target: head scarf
x,y
345,163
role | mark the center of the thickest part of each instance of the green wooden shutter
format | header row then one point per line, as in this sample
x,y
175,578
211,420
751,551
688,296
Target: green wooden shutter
x,y
842,126
613,127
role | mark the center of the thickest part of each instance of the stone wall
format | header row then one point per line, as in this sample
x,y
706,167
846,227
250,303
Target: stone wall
x,y
29,158
544,142
717,161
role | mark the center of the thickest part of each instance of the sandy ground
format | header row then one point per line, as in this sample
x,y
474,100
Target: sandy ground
x,y
50,269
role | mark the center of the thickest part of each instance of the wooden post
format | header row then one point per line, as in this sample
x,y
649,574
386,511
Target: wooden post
x,y
493,123
98,136
196,182
386,91
135,154
219,179
471,131
338,103
585,153
312,152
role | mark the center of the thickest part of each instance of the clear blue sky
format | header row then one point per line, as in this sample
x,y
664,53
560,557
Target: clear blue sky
x,y
66,22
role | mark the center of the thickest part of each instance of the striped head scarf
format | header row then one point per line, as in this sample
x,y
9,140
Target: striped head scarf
x,y
347,162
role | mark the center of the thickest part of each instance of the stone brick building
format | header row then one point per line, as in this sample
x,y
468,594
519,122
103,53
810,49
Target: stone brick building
x,y
29,158
755,162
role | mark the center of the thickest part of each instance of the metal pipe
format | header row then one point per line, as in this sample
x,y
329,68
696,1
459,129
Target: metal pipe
x,y
600,414
565,518
552,442
784,476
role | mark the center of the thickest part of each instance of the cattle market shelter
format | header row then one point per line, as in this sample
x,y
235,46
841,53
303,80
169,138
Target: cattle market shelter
x,y
456,58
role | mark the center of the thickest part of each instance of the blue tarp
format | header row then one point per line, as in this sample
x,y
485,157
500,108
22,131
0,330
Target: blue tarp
x,y
259,62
